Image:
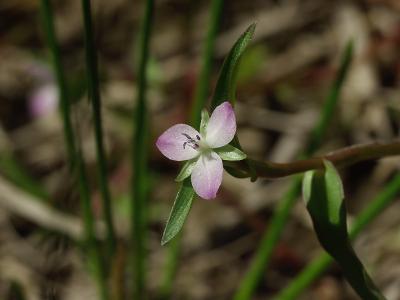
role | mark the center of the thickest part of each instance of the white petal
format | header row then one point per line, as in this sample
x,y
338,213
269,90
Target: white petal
x,y
221,127
173,143
207,175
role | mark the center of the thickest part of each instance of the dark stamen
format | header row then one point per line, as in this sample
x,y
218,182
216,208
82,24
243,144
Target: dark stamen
x,y
190,141
187,136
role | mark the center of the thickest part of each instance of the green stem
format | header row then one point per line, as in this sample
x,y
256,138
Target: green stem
x,y
89,225
267,245
203,82
15,172
281,215
75,157
65,109
94,94
171,266
322,262
140,160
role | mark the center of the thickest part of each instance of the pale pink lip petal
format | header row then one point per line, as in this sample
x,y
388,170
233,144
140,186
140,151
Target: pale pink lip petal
x,y
221,127
207,175
174,142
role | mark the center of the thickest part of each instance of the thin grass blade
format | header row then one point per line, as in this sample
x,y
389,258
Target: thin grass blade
x,y
140,159
94,95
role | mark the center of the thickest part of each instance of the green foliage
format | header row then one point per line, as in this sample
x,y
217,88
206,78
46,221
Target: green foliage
x,y
203,82
13,171
226,84
324,197
230,153
186,170
140,146
94,95
321,263
179,212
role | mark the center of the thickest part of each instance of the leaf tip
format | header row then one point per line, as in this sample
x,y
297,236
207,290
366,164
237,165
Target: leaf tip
x,y
165,237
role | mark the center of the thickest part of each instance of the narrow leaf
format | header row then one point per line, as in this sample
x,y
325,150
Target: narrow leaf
x,y
226,84
186,170
323,194
179,212
230,153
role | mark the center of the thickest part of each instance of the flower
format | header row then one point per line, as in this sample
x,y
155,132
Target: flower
x,y
204,150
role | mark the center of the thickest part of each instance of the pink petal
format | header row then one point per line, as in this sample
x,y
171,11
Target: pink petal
x,y
173,142
221,127
207,175
43,100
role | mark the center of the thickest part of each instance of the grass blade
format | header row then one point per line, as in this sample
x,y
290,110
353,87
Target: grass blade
x,y
94,94
88,218
14,172
139,159
65,109
203,82
271,236
75,156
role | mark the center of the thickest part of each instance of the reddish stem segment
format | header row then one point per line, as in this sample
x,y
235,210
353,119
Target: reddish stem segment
x,y
340,158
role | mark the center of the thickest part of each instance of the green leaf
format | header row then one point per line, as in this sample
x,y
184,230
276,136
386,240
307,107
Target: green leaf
x,y
324,197
228,152
179,212
226,84
225,89
204,121
186,170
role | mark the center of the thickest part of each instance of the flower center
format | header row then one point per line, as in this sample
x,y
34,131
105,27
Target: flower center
x,y
191,142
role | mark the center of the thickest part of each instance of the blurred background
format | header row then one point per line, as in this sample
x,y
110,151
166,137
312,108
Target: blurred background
x,y
283,81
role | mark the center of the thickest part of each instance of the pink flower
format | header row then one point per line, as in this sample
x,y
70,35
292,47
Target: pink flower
x,y
204,150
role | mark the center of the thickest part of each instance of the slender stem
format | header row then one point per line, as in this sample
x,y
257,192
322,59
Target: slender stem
x,y
261,258
271,236
139,159
94,94
340,158
92,245
14,172
203,82
321,262
65,109
75,156
171,266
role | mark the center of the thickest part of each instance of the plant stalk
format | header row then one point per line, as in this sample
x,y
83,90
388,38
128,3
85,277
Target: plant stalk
x,y
140,159
340,158
94,95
